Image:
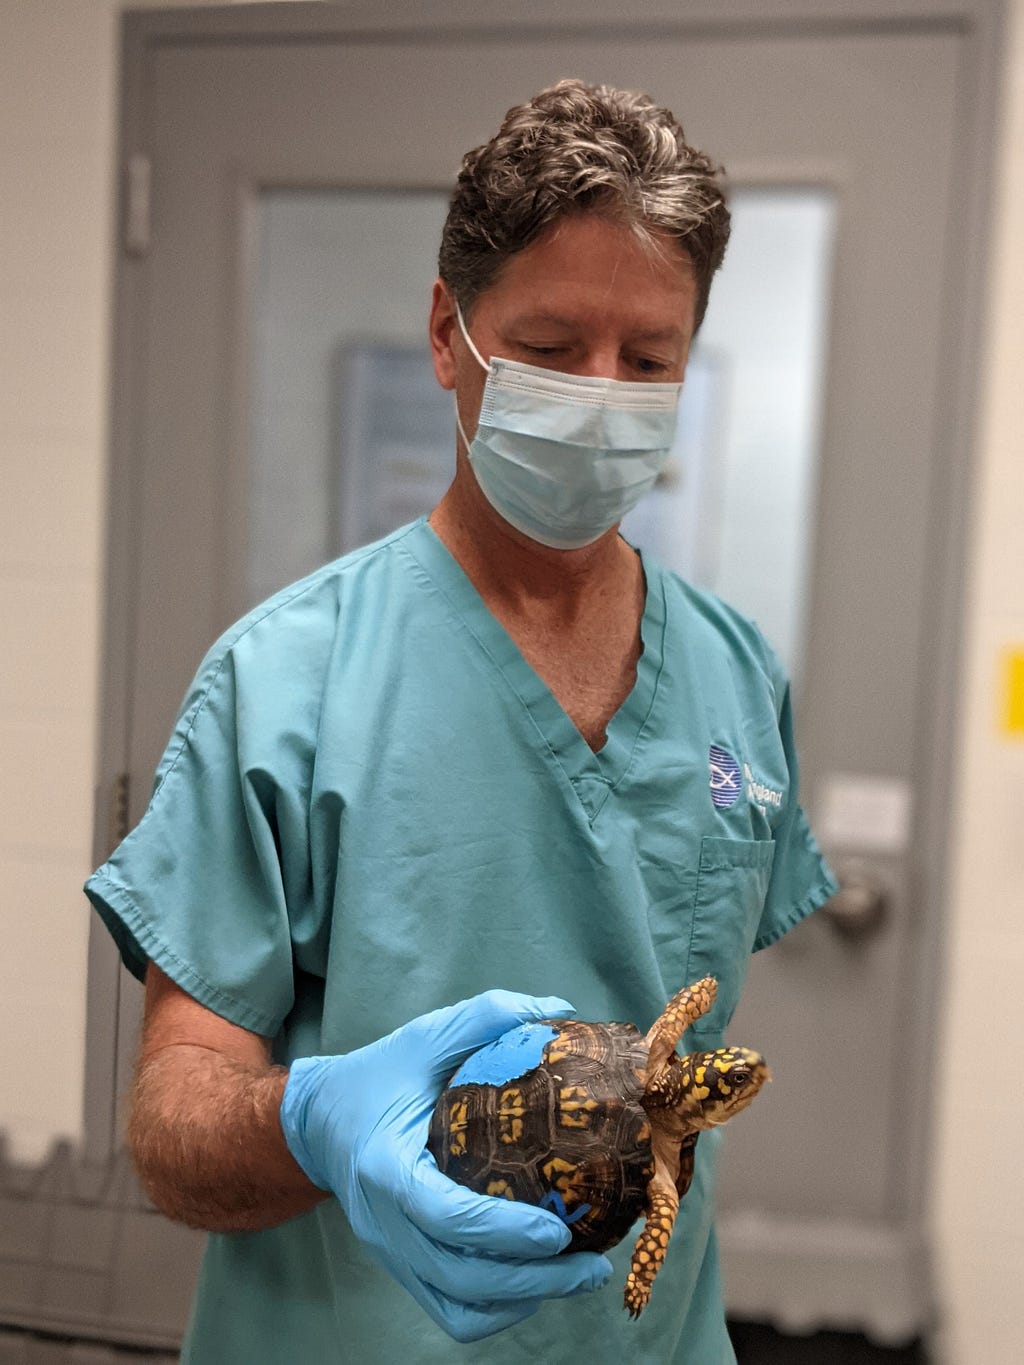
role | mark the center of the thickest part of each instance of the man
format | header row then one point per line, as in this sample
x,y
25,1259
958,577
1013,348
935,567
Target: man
x,y
496,750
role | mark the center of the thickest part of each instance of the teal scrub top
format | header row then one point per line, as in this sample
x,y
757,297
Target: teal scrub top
x,y
371,806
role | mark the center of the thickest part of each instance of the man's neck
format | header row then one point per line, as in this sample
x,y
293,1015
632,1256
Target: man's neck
x,y
520,577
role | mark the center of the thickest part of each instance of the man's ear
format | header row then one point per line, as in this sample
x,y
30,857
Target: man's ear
x,y
443,325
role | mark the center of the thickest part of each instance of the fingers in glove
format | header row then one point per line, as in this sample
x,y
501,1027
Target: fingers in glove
x,y
458,1217
468,1278
446,1037
466,1322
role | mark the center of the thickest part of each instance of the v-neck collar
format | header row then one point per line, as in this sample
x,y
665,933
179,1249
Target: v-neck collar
x,y
593,775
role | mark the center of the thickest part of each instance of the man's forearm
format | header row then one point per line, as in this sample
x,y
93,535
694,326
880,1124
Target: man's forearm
x,y
206,1139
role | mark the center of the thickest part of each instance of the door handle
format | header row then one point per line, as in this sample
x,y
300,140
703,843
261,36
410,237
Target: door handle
x,y
860,906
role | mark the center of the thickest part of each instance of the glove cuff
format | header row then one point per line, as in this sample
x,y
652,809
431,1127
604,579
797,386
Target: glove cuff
x,y
303,1082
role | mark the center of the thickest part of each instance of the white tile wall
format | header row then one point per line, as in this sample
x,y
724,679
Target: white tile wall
x,y
57,73
57,94
979,1199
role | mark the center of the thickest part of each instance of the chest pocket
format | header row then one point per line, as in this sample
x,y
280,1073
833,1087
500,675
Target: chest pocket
x,y
732,884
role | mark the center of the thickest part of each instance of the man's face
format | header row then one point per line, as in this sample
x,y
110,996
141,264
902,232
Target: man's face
x,y
586,298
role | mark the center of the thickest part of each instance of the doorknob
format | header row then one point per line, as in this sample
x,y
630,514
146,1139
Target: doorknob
x,y
859,906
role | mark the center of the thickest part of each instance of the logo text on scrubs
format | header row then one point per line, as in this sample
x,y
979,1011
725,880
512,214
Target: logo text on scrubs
x,y
726,778
759,794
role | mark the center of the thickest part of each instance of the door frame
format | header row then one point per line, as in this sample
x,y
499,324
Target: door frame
x,y
980,25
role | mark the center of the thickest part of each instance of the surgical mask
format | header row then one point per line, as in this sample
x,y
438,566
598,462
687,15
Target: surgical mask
x,y
564,457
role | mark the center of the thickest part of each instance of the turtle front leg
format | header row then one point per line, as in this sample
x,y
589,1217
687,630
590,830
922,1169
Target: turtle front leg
x,y
651,1245
684,1009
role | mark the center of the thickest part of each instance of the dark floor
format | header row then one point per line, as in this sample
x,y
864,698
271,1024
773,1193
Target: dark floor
x,y
757,1344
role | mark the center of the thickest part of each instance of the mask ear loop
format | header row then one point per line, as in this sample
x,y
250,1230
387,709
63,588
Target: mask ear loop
x,y
481,361
462,432
469,340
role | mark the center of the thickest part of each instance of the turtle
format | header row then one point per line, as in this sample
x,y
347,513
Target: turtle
x,y
594,1121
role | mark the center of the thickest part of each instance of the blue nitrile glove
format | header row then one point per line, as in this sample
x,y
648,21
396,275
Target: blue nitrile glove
x,y
357,1125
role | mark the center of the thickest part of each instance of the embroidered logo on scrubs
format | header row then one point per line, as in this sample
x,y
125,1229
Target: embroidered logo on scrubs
x,y
760,795
726,783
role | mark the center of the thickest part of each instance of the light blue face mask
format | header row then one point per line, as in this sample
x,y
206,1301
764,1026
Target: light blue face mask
x,y
564,457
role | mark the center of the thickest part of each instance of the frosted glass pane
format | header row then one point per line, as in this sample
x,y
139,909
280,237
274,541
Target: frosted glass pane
x,y
736,512
351,435
340,273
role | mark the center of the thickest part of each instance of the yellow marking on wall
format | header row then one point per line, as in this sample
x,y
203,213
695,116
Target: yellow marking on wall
x,y
1012,717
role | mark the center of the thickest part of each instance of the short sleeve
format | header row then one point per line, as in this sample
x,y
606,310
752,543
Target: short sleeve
x,y
199,886
801,880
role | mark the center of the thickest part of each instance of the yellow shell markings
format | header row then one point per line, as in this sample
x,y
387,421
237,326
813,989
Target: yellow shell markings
x,y
557,1167
563,1176
501,1189
574,1108
457,1115
511,1109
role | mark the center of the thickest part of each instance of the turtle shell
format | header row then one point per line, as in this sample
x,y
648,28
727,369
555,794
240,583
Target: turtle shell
x,y
568,1133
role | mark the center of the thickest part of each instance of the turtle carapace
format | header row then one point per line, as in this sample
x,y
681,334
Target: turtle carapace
x,y
596,1122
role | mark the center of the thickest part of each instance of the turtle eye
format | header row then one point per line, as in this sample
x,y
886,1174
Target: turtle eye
x,y
740,1075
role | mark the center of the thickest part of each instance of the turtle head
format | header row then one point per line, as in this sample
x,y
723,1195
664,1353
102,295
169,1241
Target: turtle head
x,y
716,1085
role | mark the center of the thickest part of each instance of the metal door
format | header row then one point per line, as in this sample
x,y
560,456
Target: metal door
x,y
822,1199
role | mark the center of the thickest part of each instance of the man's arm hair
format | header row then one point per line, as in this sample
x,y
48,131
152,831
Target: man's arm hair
x,y
204,1128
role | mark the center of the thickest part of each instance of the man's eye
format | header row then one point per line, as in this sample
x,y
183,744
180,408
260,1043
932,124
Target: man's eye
x,y
648,366
541,350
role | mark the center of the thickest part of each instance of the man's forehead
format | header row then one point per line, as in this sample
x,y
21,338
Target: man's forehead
x,y
570,319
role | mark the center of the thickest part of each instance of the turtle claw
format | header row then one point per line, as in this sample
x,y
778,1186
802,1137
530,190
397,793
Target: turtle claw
x,y
635,1296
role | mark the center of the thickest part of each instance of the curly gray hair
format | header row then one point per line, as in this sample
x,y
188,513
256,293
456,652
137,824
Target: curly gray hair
x,y
576,148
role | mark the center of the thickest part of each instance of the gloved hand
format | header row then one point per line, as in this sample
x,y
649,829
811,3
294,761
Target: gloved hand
x,y
357,1125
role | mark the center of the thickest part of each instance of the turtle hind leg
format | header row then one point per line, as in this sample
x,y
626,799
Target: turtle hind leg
x,y
684,1009
651,1245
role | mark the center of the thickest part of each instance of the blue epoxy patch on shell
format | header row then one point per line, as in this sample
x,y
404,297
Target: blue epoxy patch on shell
x,y
511,1055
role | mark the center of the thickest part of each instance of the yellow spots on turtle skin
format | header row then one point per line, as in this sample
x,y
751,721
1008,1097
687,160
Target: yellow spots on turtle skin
x,y
724,1064
700,1092
574,1108
649,1252
501,1189
457,1115
511,1108
700,1074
